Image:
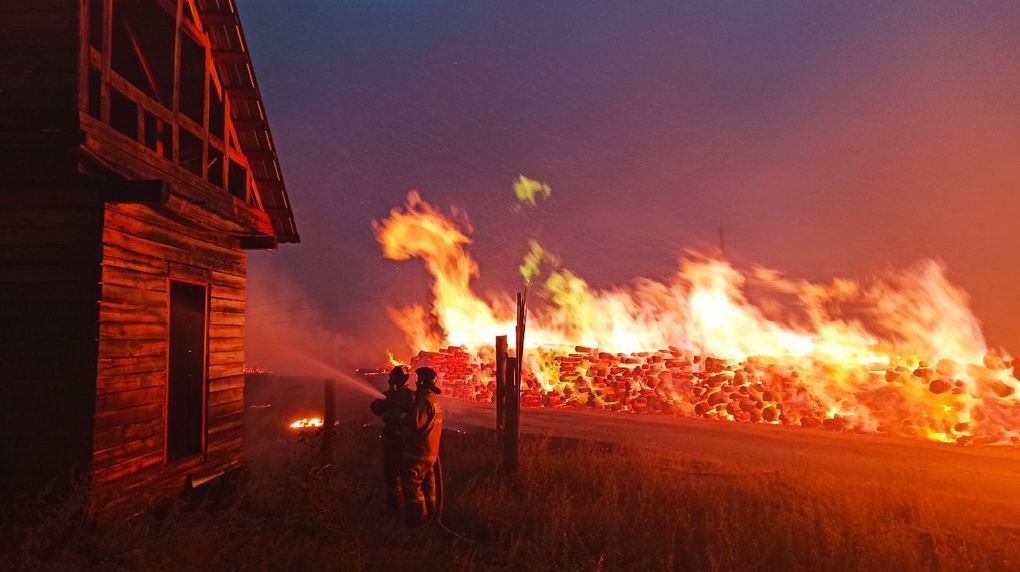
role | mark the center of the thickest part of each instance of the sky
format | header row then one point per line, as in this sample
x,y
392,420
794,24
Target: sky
x,y
825,138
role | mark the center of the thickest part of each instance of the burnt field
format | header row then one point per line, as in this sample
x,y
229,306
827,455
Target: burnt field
x,y
594,491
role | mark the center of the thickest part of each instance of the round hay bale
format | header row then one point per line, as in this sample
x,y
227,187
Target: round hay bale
x,y
809,422
994,362
836,423
715,398
999,388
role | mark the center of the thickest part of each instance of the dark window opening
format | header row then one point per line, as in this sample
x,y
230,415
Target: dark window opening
x,y
96,24
192,98
123,114
214,174
237,180
190,154
186,384
216,111
159,136
95,93
143,48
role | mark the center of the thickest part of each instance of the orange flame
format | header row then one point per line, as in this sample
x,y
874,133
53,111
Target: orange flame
x,y
899,350
306,423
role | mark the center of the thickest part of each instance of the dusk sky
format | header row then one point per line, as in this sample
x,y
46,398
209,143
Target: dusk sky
x,y
825,138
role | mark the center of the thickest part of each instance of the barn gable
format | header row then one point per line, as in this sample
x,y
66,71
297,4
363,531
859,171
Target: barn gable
x,y
144,170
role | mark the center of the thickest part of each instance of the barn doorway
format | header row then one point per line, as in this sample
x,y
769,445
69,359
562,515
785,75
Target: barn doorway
x,y
186,384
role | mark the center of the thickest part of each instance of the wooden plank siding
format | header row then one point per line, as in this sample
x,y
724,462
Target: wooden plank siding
x,y
98,214
39,47
145,247
48,294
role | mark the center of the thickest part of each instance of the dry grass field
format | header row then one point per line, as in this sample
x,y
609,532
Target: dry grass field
x,y
593,492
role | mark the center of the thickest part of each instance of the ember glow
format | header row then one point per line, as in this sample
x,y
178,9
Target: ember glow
x,y
899,353
308,422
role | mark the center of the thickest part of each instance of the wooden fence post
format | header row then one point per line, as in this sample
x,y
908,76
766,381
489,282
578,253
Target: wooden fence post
x,y
328,417
501,352
511,453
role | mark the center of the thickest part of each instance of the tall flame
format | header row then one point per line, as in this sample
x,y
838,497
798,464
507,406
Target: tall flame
x,y
903,344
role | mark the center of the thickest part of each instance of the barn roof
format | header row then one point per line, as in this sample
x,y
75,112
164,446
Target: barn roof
x,y
230,54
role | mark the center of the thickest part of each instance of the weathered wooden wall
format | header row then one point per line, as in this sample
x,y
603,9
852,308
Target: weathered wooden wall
x,y
49,284
142,251
39,47
84,284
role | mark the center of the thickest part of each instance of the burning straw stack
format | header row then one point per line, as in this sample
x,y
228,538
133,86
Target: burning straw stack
x,y
679,382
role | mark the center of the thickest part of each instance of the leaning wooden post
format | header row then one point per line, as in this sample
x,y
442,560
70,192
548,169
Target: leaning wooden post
x,y
328,417
501,352
514,368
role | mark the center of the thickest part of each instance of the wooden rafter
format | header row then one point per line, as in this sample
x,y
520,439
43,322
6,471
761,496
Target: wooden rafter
x,y
254,153
143,60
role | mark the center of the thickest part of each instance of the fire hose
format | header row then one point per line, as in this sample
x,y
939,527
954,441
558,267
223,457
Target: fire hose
x,y
440,496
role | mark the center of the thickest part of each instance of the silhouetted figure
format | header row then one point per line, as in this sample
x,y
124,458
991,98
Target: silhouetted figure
x,y
421,449
393,409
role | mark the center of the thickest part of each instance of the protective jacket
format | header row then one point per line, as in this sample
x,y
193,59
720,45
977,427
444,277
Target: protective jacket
x,y
425,425
421,450
399,402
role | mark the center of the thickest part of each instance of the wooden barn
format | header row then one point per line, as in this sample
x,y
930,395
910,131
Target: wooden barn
x,y
137,169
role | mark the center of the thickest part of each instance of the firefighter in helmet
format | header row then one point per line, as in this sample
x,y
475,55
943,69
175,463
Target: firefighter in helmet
x,y
421,449
394,408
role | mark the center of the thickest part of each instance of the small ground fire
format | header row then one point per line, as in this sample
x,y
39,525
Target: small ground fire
x,y
306,423
899,354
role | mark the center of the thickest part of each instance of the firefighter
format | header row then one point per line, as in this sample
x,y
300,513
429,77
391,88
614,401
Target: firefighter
x,y
393,409
421,449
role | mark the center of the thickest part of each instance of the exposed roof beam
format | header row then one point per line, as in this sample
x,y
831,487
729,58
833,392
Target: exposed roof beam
x,y
214,18
254,242
135,192
249,124
259,155
229,57
242,93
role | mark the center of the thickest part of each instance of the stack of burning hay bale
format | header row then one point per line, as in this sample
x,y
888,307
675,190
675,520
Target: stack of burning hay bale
x,y
678,382
463,375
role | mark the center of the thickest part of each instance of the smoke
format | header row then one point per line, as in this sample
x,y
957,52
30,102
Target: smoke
x,y
291,332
